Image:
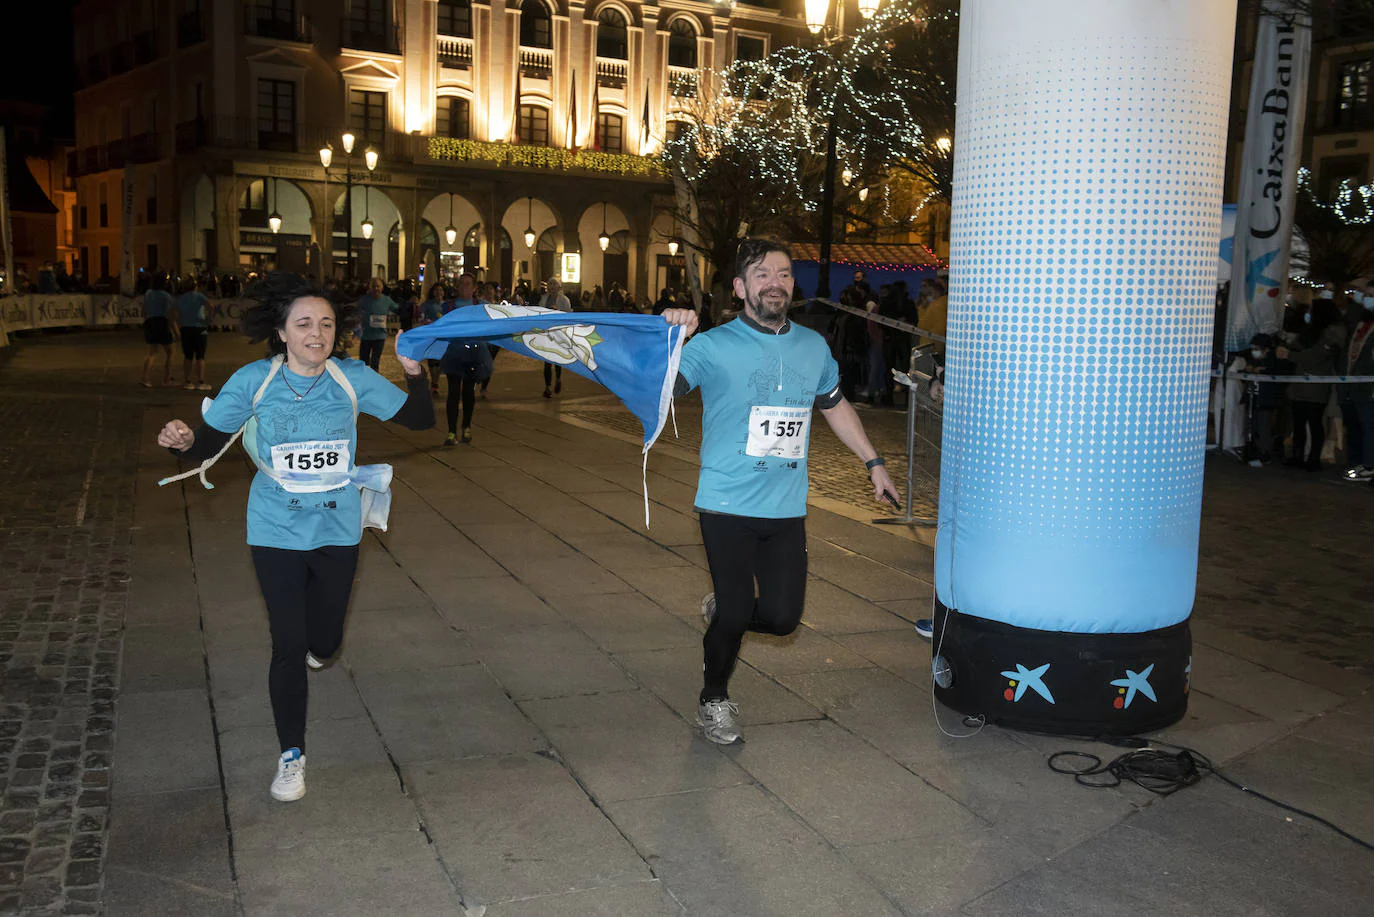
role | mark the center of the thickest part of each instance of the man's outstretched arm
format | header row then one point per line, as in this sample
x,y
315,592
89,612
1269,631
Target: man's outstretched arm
x,y
844,420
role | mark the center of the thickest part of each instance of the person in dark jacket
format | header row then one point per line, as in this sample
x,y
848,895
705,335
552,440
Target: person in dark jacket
x,y
1316,353
1357,398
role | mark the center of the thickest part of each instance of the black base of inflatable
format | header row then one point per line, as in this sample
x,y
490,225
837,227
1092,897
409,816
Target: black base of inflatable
x,y
1061,683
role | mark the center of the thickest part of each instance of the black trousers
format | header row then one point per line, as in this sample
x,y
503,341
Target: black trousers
x,y
307,597
549,370
461,392
1307,419
741,550
370,352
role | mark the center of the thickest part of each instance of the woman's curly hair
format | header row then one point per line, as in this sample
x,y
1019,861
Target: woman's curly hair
x,y
275,294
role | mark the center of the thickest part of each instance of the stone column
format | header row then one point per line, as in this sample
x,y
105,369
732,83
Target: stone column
x,y
1090,145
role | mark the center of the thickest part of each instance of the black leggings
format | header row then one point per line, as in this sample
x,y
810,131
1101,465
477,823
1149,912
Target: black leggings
x,y
1308,416
549,370
370,352
307,597
466,389
741,549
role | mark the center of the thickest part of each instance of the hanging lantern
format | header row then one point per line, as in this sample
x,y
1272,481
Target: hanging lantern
x,y
326,155
274,222
367,229
672,248
817,11
348,140
603,240
370,157
867,8
451,235
529,237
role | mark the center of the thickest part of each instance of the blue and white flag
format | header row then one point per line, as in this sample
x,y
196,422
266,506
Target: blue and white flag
x,y
634,356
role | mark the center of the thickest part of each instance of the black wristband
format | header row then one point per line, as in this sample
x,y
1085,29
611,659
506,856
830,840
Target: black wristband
x,y
874,462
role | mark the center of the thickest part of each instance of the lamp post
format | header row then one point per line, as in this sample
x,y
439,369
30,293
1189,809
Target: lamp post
x,y
450,231
370,160
817,15
603,240
274,221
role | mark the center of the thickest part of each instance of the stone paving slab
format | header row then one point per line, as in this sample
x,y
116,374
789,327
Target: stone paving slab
x,y
844,799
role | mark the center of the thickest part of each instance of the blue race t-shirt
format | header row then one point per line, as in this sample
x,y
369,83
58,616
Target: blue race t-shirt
x,y
373,311
322,423
191,309
432,310
156,303
757,390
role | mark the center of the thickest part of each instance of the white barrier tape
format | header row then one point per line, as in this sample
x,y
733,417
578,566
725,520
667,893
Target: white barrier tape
x,y
883,320
1296,377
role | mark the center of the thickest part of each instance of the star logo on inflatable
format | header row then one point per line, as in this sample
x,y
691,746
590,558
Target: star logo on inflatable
x,y
1134,682
1022,678
1255,276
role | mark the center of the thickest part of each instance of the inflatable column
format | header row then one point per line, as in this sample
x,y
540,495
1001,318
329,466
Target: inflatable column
x,y
1087,207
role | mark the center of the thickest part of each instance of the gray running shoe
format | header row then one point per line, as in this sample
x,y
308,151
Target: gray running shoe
x,y
708,607
717,720
289,784
313,661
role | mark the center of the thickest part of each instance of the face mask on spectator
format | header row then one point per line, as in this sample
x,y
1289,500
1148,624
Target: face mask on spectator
x,y
1256,353
1307,318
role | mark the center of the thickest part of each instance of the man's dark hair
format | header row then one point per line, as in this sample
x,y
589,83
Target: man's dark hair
x,y
752,251
275,293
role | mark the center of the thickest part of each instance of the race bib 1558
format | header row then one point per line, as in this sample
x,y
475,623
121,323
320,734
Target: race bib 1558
x,y
311,467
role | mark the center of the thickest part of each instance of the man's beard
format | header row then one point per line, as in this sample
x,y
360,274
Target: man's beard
x,y
766,312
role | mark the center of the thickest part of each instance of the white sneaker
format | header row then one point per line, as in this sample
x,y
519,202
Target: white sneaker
x,y
313,661
1359,473
717,720
708,607
289,784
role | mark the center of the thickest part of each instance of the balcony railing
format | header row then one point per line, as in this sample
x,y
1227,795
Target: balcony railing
x,y
682,82
454,52
143,148
145,48
536,62
116,152
247,134
264,22
383,40
121,58
611,71
506,155
192,135
189,29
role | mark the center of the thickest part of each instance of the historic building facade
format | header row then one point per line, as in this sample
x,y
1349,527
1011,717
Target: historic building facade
x,y
505,121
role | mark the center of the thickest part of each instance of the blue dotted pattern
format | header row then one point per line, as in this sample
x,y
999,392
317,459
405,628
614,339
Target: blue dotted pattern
x,y
1087,209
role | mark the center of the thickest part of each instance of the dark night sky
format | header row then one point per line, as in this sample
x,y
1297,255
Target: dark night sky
x,y
37,67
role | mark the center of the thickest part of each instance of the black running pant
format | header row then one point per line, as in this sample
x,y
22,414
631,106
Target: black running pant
x,y
549,370
1308,419
741,550
464,391
370,352
307,596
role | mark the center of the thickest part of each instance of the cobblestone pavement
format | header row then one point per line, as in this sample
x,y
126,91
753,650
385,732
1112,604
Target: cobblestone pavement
x,y
65,470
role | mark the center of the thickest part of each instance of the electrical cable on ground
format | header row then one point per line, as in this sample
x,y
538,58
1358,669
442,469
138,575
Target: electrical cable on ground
x,y
1163,769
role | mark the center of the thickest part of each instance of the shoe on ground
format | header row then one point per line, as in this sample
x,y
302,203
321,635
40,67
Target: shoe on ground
x,y
708,607
313,662
145,383
926,628
1360,473
548,394
203,387
289,784
451,440
717,719
467,435
189,386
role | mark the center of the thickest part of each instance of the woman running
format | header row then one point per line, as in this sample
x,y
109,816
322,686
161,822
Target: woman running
x,y
298,411
466,364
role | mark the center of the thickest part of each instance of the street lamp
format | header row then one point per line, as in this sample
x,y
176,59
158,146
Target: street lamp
x,y
529,228
367,213
672,248
944,144
327,159
868,7
450,231
817,12
603,240
274,221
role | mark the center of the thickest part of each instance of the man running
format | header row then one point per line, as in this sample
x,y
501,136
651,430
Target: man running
x,y
760,375
373,309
